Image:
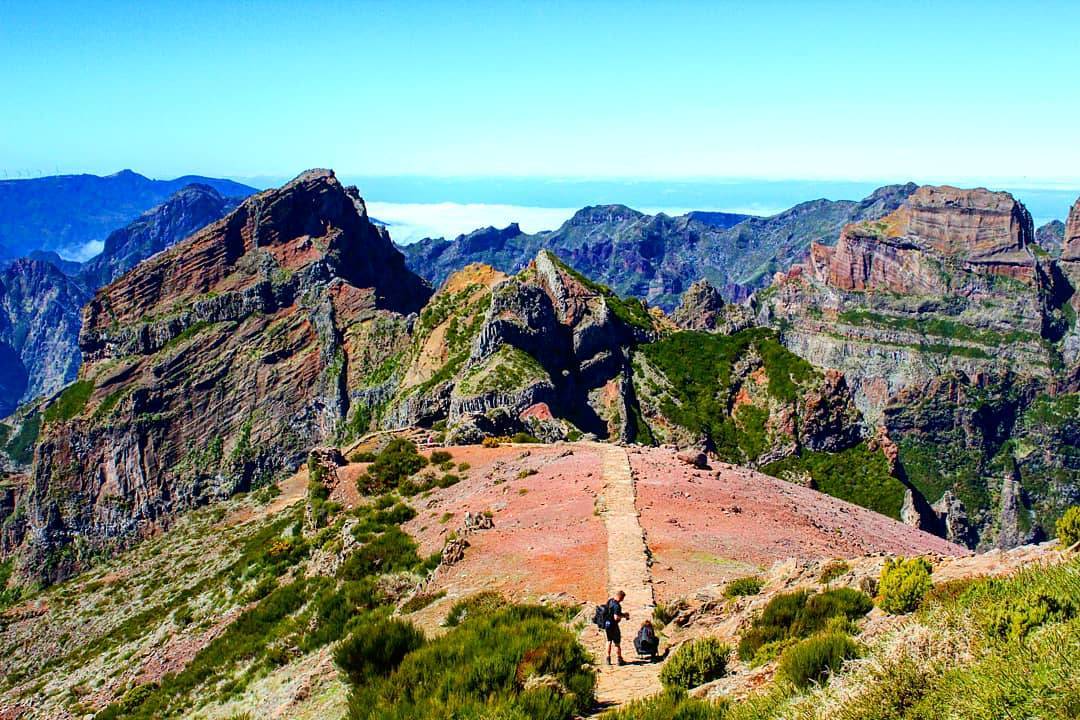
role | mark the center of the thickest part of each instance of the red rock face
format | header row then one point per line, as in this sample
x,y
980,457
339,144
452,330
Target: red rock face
x,y
970,224
985,231
1071,247
214,366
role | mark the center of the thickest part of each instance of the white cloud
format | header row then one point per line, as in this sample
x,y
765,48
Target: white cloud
x,y
82,253
409,222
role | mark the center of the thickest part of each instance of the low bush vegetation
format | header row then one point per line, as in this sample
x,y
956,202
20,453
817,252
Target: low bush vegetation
x,y
672,704
438,457
903,584
70,402
516,662
791,616
376,649
812,660
741,587
695,663
1068,527
478,605
394,465
833,570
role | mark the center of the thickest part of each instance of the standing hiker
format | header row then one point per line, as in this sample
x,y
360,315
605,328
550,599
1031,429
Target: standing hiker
x,y
614,615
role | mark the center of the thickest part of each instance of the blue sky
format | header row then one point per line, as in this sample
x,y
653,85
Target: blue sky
x,y
929,91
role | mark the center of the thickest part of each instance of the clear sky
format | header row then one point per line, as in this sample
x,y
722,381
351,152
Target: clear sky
x,y
871,90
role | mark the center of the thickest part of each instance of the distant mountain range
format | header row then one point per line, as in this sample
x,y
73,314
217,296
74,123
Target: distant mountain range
x,y
41,296
658,257
66,212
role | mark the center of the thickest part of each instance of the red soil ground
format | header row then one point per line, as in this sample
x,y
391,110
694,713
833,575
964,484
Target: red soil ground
x,y
546,539
708,526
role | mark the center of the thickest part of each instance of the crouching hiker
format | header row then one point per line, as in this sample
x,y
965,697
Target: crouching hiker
x,y
647,644
607,617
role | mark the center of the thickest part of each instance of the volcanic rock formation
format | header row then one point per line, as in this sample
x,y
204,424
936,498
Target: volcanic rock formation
x,y
214,366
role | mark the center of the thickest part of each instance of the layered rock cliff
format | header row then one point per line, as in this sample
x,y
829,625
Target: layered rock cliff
x,y
952,329
213,366
189,209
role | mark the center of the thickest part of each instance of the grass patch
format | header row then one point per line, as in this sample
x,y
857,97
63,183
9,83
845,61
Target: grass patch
x,y
70,403
744,586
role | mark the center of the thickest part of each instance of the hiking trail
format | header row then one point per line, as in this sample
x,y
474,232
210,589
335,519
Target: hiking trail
x,y
627,570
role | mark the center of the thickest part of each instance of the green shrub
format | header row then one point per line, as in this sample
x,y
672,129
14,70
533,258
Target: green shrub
x,y
695,663
671,704
812,660
478,605
481,669
362,456
398,460
391,551
420,601
1013,621
903,584
448,480
741,587
376,649
800,614
832,570
1068,527
438,457
523,437
664,613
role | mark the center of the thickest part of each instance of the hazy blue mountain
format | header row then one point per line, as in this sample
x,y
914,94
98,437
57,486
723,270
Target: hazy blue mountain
x,y
66,213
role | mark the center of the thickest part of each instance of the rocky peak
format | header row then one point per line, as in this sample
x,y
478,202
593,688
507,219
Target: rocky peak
x,y
489,238
970,224
600,214
313,227
979,230
701,305
215,366
1070,250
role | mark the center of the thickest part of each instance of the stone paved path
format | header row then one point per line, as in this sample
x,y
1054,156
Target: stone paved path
x,y
628,570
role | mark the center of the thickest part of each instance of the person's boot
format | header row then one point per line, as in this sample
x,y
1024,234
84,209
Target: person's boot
x,y
608,659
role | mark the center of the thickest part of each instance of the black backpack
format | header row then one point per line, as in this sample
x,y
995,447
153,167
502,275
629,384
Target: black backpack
x,y
602,615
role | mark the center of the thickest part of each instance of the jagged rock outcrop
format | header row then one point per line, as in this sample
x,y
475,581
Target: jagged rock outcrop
x,y
945,283
1070,243
657,257
39,327
537,352
214,366
703,308
955,334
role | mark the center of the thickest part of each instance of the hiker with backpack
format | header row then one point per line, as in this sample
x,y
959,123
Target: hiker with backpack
x,y
607,617
647,644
